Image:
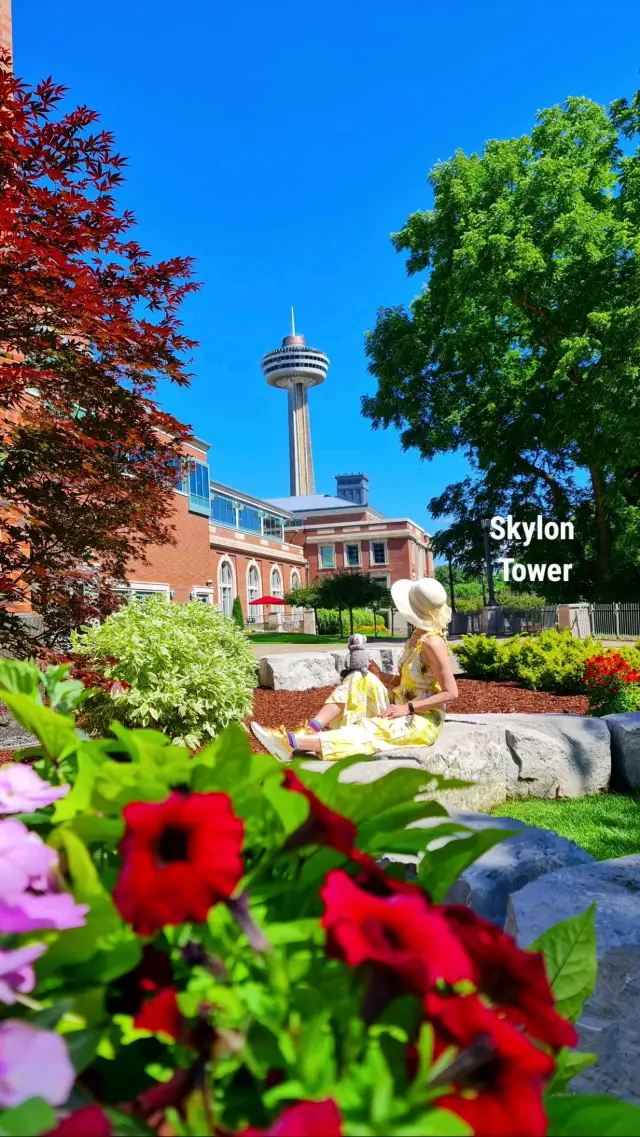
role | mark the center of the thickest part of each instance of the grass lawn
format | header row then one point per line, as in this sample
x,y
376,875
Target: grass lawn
x,y
606,825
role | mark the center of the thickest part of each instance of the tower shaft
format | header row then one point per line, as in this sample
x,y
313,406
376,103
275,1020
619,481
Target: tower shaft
x,y
302,481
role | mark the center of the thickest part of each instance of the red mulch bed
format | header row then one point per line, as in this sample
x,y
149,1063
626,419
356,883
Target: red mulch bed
x,y
477,696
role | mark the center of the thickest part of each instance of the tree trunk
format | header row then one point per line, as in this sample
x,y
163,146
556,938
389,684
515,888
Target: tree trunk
x,y
351,620
375,623
603,525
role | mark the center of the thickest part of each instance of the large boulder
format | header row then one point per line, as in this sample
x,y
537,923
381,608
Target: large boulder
x,y
298,671
471,752
625,750
610,1024
551,756
507,867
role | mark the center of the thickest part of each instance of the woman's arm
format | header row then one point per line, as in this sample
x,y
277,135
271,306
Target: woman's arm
x,y
389,681
434,654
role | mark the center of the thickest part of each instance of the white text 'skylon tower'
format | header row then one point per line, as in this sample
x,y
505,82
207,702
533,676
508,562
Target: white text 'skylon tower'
x,y
297,367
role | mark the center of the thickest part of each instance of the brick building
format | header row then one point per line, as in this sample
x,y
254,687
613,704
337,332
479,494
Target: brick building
x,y
232,544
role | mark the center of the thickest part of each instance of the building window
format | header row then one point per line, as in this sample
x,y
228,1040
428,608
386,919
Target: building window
x,y
223,510
226,588
352,555
272,527
142,591
327,557
181,483
254,615
295,580
203,595
379,552
250,519
199,491
277,588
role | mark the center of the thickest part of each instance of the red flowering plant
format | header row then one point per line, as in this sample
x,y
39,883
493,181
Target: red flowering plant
x,y
239,961
613,684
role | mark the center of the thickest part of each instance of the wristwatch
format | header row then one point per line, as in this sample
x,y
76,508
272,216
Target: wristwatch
x,y
412,709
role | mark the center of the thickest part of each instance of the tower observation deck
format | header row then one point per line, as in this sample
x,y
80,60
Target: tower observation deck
x,y
296,367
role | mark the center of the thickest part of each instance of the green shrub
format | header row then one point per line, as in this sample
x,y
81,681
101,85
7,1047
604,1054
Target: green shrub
x,y
191,669
237,615
519,601
480,656
329,621
551,661
468,605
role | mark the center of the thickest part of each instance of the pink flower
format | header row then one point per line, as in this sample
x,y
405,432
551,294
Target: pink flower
x,y
26,899
16,973
25,861
22,791
30,911
33,1063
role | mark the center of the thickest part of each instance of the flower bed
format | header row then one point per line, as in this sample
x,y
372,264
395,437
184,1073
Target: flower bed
x,y
202,944
477,696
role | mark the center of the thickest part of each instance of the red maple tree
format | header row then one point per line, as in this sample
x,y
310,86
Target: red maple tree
x,y
88,326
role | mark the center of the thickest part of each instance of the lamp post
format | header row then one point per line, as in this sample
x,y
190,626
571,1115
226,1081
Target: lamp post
x,y
453,595
486,525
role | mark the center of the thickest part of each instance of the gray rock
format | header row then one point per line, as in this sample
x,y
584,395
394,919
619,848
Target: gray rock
x,y
298,671
610,1024
12,735
473,753
509,866
625,749
552,756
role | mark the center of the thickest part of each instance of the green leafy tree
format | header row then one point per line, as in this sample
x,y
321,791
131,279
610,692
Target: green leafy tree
x,y
306,597
237,615
345,590
522,350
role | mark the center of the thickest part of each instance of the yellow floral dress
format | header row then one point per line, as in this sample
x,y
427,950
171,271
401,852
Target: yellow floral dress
x,y
361,730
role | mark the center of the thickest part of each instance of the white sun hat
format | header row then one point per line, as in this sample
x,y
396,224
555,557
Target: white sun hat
x,y
423,603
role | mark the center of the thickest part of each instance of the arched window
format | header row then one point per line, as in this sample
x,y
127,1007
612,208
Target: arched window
x,y
277,588
253,592
226,588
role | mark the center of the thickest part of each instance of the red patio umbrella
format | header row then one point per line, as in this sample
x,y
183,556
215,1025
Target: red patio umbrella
x,y
268,600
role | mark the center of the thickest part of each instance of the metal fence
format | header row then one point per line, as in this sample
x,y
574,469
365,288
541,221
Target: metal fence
x,y
615,621
507,621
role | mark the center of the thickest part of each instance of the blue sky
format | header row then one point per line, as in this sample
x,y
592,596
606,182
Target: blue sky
x,y
280,144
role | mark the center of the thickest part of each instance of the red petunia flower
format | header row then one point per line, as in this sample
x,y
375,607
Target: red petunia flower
x,y
306,1119
161,1014
180,857
498,1076
514,980
87,1122
324,826
401,933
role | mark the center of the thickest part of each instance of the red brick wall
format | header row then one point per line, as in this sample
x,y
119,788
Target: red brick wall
x,y
5,26
183,565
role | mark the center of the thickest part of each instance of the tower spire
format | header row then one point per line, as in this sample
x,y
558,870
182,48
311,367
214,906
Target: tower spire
x,y
293,323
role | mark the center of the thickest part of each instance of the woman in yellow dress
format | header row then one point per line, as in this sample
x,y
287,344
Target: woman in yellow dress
x,y
363,716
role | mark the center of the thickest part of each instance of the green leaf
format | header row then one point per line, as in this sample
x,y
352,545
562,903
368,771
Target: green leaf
x,y
33,1117
413,840
83,1046
432,1123
398,817
439,868
569,1063
592,1115
55,732
19,677
229,764
569,950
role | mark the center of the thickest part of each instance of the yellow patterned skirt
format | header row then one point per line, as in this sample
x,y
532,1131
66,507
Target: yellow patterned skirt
x,y
361,730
